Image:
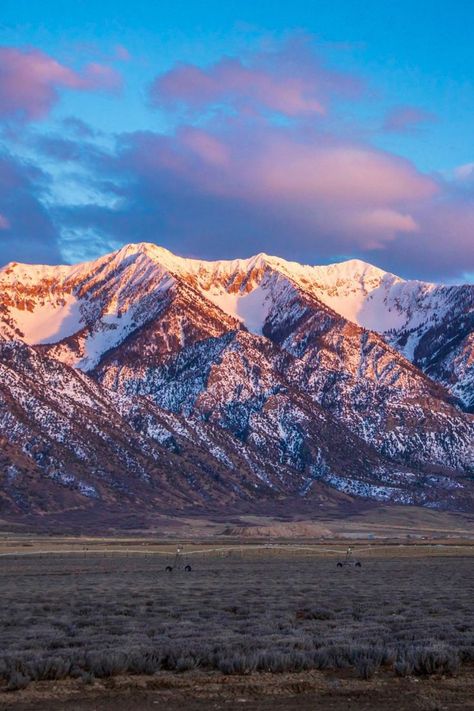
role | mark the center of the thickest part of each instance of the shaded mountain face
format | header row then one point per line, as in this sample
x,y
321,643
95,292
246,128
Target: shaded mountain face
x,y
240,380
69,443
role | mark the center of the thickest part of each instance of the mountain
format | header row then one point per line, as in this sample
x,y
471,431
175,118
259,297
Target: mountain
x,y
69,444
432,325
250,378
66,443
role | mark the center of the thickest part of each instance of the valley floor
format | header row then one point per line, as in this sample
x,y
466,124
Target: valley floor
x,y
296,519
100,624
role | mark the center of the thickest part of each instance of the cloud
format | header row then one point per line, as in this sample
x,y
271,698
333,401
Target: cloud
x,y
283,166
27,232
251,187
31,79
243,186
443,248
289,80
78,128
59,148
250,166
122,53
464,172
406,119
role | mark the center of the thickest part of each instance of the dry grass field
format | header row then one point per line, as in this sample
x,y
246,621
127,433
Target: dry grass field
x,y
247,622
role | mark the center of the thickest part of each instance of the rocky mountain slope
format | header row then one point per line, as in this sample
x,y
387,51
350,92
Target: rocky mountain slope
x,y
432,325
66,443
272,377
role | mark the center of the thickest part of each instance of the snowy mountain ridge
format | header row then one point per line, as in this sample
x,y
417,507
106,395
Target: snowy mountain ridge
x,y
46,304
347,287
250,378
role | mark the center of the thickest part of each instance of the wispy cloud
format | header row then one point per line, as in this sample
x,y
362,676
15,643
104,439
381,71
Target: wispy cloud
x,y
30,81
290,80
406,119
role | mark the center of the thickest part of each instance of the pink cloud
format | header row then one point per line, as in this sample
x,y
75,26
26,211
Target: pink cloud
x,y
243,186
122,53
404,119
30,81
290,81
444,244
347,173
464,172
205,147
381,225
237,181
314,185
230,81
315,180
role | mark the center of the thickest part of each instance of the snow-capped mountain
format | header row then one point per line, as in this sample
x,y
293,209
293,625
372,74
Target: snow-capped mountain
x,y
430,324
274,377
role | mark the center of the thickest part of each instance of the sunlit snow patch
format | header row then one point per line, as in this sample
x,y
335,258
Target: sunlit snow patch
x,y
252,308
49,322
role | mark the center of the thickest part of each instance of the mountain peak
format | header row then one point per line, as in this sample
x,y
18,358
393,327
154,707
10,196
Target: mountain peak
x,y
147,248
295,396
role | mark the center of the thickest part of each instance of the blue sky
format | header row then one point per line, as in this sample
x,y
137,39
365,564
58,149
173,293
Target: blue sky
x,y
414,62
418,53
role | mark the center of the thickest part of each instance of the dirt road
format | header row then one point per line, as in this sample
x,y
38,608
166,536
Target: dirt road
x,y
287,692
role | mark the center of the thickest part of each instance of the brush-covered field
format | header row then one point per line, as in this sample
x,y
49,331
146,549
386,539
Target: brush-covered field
x,y
90,618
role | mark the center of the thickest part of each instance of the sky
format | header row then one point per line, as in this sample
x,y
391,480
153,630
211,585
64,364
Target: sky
x,y
317,131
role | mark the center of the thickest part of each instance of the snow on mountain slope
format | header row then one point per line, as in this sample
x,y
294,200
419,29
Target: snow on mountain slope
x,y
430,324
367,385
66,442
47,303
251,309
90,308
69,444
96,305
100,303
265,358
415,317
57,320
245,385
